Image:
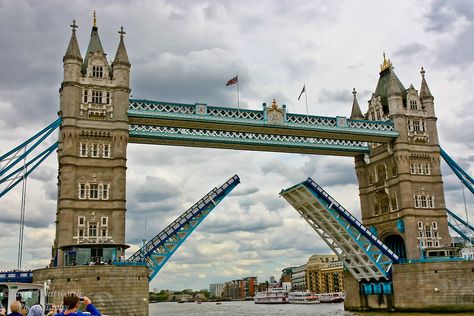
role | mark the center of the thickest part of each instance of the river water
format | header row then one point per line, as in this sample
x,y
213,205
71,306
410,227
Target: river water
x,y
248,308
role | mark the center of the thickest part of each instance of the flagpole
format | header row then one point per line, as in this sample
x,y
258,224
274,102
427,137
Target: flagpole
x,y
238,99
306,99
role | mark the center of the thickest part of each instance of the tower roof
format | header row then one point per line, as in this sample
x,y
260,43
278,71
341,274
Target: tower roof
x,y
424,90
73,51
386,76
94,45
121,55
356,113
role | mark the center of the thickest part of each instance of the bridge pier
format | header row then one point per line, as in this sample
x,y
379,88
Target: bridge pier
x,y
419,287
114,290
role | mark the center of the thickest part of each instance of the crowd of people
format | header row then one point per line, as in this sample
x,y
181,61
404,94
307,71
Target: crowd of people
x,y
70,307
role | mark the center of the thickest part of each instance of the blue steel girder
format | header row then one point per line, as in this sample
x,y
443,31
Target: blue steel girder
x,y
16,165
362,253
160,248
465,178
456,223
200,125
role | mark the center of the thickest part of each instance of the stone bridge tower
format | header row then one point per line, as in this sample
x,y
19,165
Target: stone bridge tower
x,y
90,222
400,183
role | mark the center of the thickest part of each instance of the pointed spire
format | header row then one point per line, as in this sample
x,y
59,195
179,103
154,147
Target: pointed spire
x,y
356,113
394,85
73,51
121,55
94,44
424,90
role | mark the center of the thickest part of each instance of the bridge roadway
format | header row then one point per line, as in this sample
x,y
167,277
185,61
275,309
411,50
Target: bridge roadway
x,y
271,129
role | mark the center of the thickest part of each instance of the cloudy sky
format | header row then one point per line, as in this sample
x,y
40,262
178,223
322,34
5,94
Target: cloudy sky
x,y
185,51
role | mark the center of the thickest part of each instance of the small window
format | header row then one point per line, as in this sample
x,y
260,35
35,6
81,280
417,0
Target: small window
x,y
107,97
97,71
85,95
94,191
96,96
81,233
417,202
412,168
434,225
423,201
104,220
420,225
81,220
82,190
416,126
103,233
83,150
106,151
413,105
95,150
430,201
105,191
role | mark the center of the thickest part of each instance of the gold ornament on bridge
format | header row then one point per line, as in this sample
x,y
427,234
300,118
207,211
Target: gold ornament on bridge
x,y
95,20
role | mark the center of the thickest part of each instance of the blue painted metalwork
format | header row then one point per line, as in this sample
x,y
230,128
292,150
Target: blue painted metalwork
x,y
243,138
461,227
16,276
361,252
160,248
376,288
18,155
466,179
400,225
272,129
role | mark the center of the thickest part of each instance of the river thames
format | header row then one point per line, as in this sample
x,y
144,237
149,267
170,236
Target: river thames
x,y
248,308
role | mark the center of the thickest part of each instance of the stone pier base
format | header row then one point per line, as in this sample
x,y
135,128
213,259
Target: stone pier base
x,y
424,287
114,290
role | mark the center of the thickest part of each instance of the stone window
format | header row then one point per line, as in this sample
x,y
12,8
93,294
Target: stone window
x,y
422,168
103,232
413,105
95,150
81,220
423,201
81,233
106,151
97,97
107,97
94,191
434,225
416,125
92,230
85,96
82,190
104,221
97,71
83,149
428,234
104,194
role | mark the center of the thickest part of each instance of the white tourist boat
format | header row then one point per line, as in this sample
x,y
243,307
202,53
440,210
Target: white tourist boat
x,y
27,293
334,297
302,298
273,295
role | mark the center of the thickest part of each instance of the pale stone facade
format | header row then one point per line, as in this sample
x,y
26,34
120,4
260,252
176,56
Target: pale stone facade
x,y
400,183
324,274
93,137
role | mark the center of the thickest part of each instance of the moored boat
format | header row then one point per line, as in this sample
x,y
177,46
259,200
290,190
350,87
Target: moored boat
x,y
334,297
273,295
302,298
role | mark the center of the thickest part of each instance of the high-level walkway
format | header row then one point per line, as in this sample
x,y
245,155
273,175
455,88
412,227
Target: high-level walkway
x,y
271,129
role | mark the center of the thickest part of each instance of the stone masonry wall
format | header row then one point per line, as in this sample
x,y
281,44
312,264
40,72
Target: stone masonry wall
x,y
114,290
440,286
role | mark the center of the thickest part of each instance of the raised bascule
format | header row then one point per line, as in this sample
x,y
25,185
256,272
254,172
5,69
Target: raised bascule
x,y
402,244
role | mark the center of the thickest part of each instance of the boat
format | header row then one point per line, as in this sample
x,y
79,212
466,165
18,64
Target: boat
x,y
273,295
28,294
298,297
335,297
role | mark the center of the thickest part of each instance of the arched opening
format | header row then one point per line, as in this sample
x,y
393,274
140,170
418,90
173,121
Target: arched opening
x,y
397,244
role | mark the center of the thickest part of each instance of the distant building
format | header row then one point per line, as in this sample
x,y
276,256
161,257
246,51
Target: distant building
x,y
298,278
232,290
249,285
216,289
325,274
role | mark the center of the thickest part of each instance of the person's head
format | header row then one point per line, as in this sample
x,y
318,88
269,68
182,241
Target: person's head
x,y
15,307
71,301
36,310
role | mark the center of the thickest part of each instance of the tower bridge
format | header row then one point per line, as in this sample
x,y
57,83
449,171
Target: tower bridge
x,y
395,148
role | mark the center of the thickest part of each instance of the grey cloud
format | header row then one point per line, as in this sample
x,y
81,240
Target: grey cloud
x,y
336,96
247,191
410,49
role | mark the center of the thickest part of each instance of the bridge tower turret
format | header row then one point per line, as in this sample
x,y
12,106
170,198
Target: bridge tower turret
x,y
90,219
400,183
